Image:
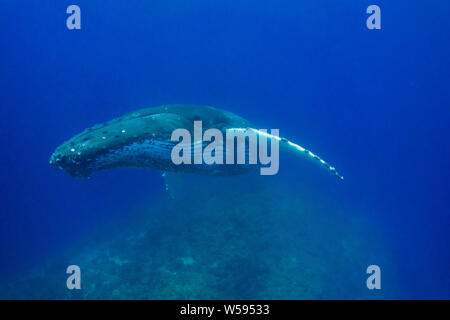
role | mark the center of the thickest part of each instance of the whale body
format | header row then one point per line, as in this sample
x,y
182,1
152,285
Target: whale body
x,y
143,139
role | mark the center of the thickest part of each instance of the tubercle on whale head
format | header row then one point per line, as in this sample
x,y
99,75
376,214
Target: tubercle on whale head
x,y
69,163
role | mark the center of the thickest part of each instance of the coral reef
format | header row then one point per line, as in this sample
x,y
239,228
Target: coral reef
x,y
226,238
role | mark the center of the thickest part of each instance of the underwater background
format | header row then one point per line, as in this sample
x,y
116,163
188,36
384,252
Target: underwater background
x,y
374,103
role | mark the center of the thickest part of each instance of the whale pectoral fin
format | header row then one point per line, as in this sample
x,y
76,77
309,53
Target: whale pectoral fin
x,y
295,148
299,149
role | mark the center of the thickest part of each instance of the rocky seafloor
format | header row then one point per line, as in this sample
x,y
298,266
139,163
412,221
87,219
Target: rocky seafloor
x,y
237,241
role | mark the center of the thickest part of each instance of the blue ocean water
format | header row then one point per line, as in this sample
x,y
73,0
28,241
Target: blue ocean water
x,y
374,103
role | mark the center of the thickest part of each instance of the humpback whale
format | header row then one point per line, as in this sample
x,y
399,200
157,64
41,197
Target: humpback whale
x,y
143,139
